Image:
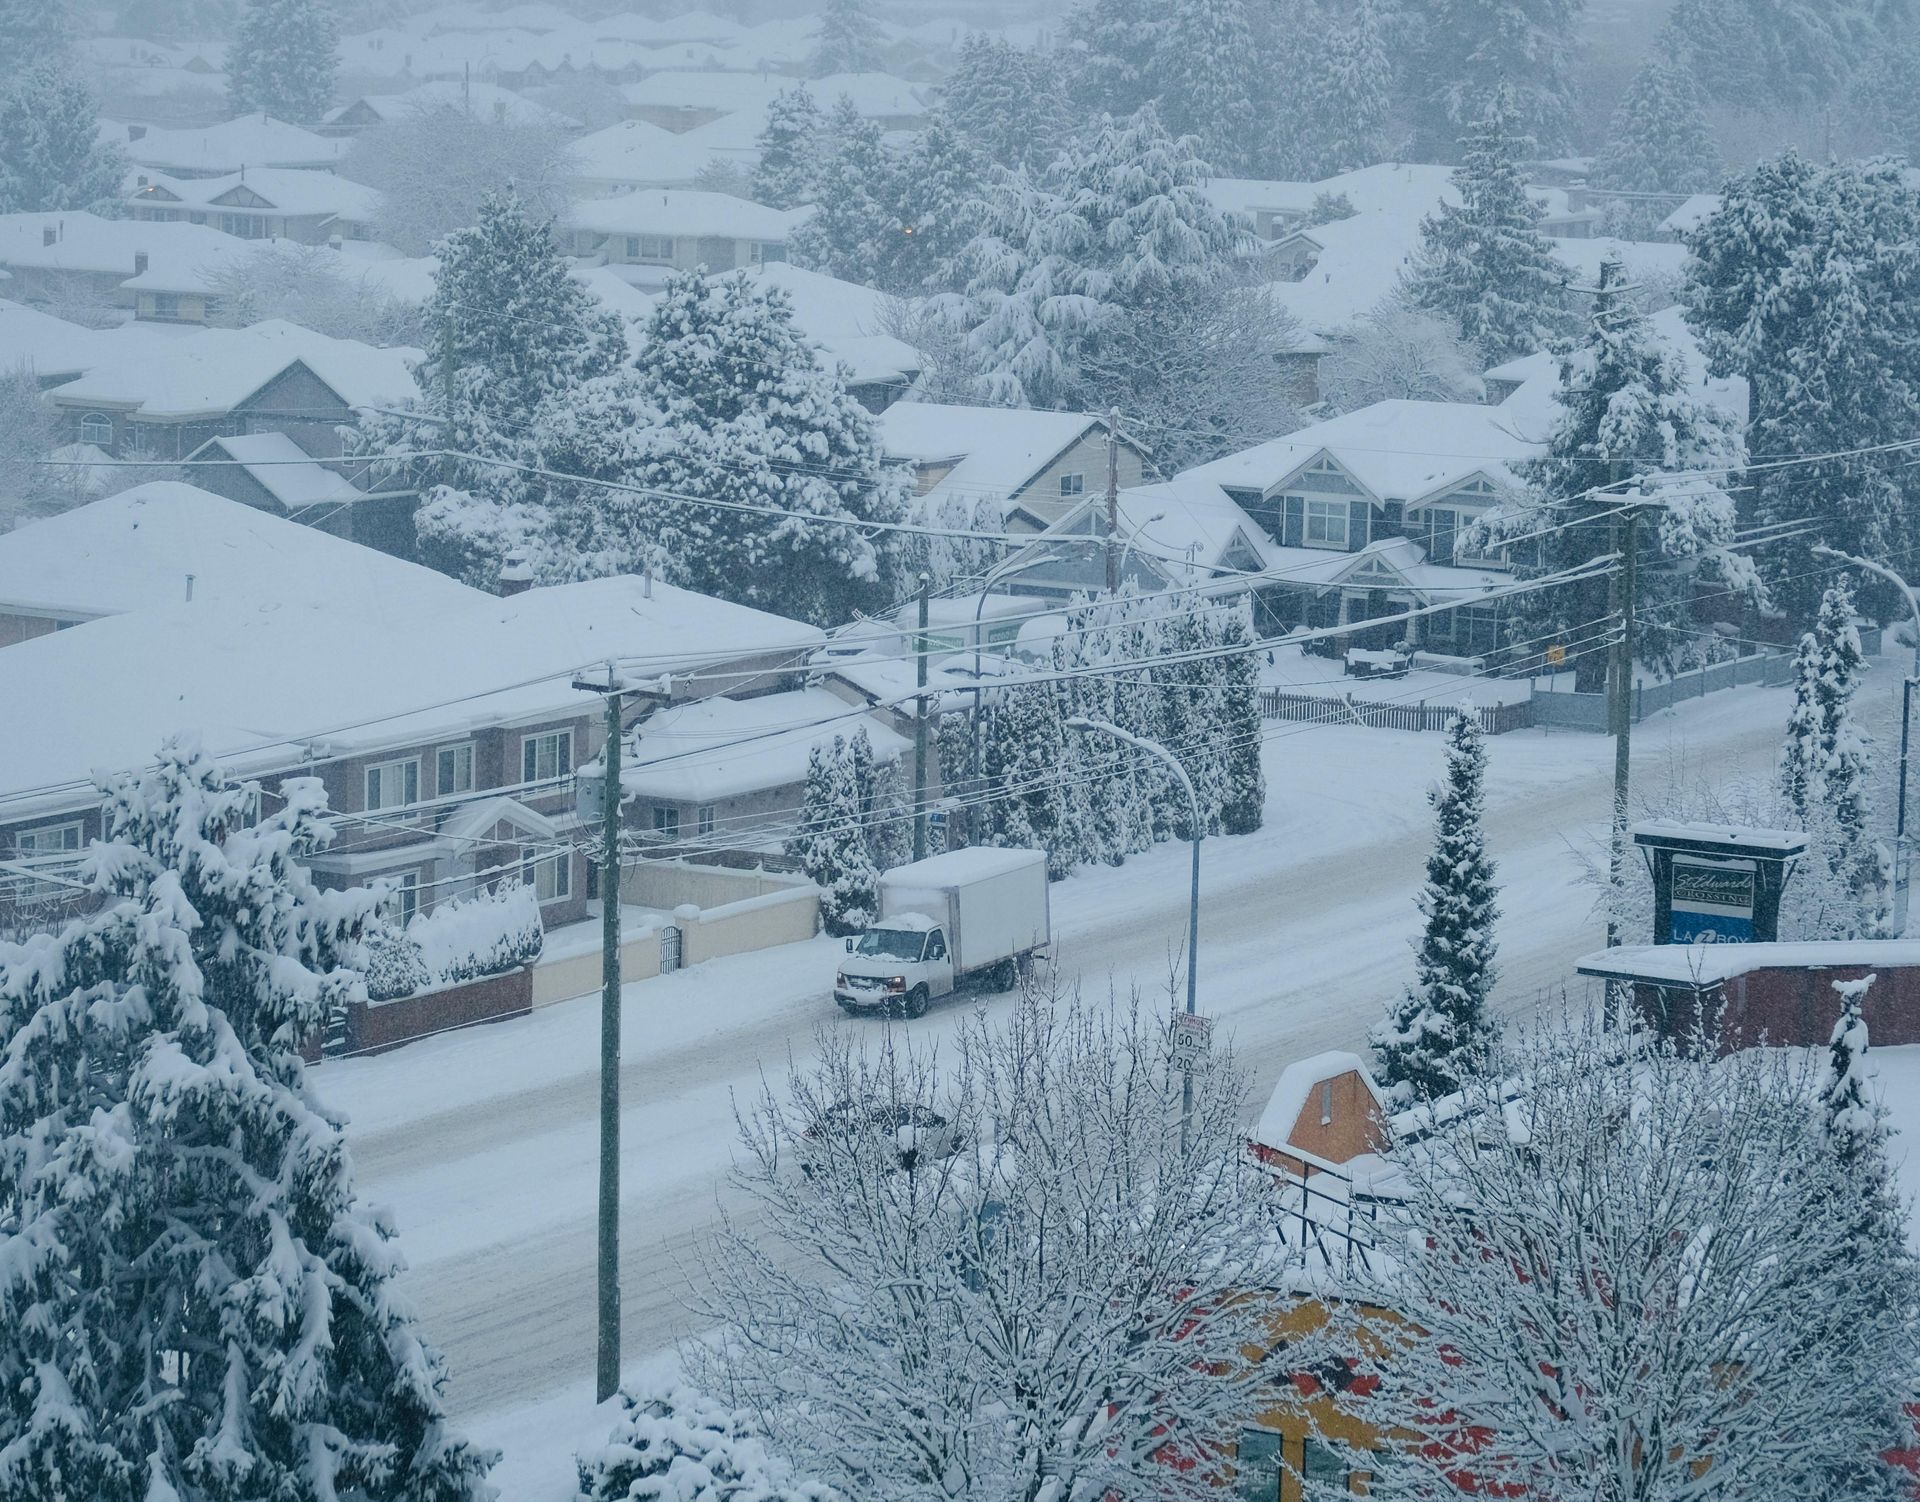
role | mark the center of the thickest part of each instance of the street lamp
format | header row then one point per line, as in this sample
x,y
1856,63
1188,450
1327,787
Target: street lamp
x,y
1084,723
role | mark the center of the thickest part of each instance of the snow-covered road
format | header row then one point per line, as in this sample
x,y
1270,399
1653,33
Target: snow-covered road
x,y
483,1142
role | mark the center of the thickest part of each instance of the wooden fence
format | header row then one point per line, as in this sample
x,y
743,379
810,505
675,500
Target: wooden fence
x,y
1495,719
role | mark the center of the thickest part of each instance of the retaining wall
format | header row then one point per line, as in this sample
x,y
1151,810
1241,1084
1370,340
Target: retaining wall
x,y
373,1027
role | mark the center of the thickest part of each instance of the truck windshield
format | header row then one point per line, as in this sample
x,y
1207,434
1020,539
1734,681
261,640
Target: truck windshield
x,y
894,943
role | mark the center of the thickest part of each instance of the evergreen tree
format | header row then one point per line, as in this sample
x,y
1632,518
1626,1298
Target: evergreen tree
x,y
937,185
284,60
884,814
194,1303
787,174
854,222
1117,51
1007,103
675,1444
1344,93
1025,753
830,843
54,157
1854,1128
1778,53
34,32
1483,262
1802,283
1241,726
1435,1034
1626,408
1659,142
1204,78
848,40
1842,818
1800,756
1474,52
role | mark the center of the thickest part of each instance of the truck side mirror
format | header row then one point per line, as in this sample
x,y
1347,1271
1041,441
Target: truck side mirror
x,y
849,943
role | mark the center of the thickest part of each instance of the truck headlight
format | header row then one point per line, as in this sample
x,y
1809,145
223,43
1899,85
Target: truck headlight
x,y
840,980
896,983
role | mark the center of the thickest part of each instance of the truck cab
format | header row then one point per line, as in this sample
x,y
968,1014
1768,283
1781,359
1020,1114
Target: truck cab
x,y
901,964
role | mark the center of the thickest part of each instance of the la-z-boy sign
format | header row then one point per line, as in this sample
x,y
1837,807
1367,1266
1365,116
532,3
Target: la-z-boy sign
x,y
1712,899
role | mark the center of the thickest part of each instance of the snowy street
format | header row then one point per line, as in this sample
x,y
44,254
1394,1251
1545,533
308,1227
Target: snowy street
x,y
483,1142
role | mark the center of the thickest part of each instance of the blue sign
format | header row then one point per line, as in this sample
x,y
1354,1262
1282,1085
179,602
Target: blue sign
x,y
1713,900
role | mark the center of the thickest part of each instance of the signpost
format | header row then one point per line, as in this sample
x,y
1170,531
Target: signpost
x,y
1717,884
1713,900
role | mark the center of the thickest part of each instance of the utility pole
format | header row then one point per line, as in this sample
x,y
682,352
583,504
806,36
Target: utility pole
x,y
607,1369
920,729
1113,501
1626,523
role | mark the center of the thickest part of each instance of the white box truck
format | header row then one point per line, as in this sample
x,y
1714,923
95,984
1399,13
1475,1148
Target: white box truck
x,y
968,914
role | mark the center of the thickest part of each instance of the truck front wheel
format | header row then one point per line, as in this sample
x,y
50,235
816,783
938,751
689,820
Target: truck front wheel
x,y
916,1002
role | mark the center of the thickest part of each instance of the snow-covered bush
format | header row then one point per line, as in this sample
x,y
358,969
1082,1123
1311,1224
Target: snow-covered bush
x,y
676,1444
392,966
485,934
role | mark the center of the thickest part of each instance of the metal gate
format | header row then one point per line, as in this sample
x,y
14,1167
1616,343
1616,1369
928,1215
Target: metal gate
x,y
669,949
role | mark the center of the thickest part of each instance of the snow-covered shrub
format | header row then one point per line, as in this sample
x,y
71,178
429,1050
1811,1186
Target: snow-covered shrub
x,y
677,1445
485,934
393,966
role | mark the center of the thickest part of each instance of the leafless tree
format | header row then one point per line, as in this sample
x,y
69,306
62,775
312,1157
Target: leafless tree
x,y
1398,352
317,288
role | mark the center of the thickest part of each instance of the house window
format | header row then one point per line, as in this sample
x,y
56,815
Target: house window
x,y
545,757
1072,485
51,839
704,818
551,877
1323,1463
166,305
96,428
1326,1103
1256,1466
393,784
1442,527
1327,523
666,821
649,247
403,900
453,771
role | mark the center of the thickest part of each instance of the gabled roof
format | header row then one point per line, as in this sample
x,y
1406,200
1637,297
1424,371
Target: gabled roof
x,y
283,469
474,820
87,243
724,748
682,211
284,190
1295,1086
484,101
249,141
997,451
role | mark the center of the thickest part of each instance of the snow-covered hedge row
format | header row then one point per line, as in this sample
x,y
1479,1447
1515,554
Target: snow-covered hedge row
x,y
678,1445
464,939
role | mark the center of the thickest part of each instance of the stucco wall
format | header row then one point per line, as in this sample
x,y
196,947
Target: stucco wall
x,y
757,923
671,884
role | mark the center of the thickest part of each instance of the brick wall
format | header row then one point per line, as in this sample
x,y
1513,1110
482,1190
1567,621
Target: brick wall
x,y
1789,1008
375,1028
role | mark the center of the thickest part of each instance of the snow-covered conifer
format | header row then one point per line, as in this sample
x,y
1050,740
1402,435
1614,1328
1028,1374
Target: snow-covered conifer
x,y
55,157
1116,52
673,1443
848,40
936,187
788,171
1472,52
32,31
194,1302
884,815
1436,1033
284,59
1025,757
1659,142
1344,89
830,842
1007,103
1204,78
1853,853
1243,806
1482,261
1853,1126
854,220
1779,54
1800,755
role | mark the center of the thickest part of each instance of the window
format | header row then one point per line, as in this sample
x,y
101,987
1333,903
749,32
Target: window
x,y
704,818
1322,1462
1327,523
166,305
1326,1102
51,839
1256,1466
96,428
453,771
403,900
1442,526
649,247
551,877
1072,485
666,821
544,757
393,784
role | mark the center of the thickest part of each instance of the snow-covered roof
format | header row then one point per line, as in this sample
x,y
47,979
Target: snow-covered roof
x,y
261,678
1711,964
1361,261
283,469
1253,195
725,748
1644,259
1536,378
50,346
639,154
134,551
998,449
1398,450
484,101
287,190
249,141
1695,212
680,211
85,242
1296,1084
873,94
715,90
212,371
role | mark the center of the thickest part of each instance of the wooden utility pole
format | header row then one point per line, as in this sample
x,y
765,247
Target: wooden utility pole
x,y
920,728
1113,500
1626,523
607,1368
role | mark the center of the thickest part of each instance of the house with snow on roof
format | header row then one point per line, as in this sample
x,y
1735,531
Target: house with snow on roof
x,y
643,236
482,101
58,260
217,150
1035,466
633,154
261,203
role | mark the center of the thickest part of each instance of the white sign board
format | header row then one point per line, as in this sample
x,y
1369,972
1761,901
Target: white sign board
x,y
1192,1037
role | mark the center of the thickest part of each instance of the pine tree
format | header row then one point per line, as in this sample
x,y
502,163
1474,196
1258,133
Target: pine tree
x,y
1204,78
1626,408
196,1304
1854,1129
284,60
1435,1033
787,174
1473,52
883,812
675,1444
1241,726
1781,54
1025,753
854,220
830,843
1007,103
848,41
54,157
1483,262
1842,819
1800,755
1117,53
1802,284
936,185
1344,94
33,32
1659,142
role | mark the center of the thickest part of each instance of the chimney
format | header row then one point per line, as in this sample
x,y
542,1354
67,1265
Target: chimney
x,y
139,262
141,181
135,132
48,235
189,588
646,580
516,574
